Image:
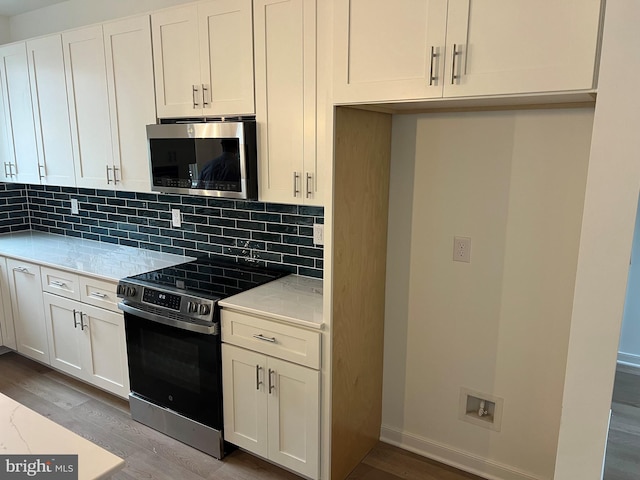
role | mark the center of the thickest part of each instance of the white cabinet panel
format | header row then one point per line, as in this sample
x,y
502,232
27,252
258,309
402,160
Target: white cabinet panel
x,y
519,46
226,57
66,346
19,124
50,111
131,99
383,49
6,314
176,61
89,106
28,309
285,65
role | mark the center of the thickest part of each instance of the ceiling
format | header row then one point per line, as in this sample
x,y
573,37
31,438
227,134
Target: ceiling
x,y
9,8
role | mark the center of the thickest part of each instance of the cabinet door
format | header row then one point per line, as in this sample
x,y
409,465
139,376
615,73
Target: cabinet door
x,y
285,96
226,57
6,315
244,386
88,106
176,61
28,310
106,350
18,114
519,46
6,155
131,99
66,345
387,51
50,111
294,416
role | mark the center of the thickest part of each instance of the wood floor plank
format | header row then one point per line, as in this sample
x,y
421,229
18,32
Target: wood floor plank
x,y
143,466
367,472
242,466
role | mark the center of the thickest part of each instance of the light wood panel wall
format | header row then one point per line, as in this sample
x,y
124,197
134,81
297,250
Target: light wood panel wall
x,y
361,203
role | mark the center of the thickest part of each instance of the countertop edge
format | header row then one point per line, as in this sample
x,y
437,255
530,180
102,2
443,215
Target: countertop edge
x,y
272,316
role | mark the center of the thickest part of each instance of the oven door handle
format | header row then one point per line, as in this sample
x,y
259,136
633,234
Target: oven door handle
x,y
192,327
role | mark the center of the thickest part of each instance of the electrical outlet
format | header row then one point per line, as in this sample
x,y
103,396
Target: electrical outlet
x,y
462,249
176,218
74,206
318,234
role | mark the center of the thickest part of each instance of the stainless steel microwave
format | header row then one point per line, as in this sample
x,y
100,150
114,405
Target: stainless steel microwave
x,y
209,158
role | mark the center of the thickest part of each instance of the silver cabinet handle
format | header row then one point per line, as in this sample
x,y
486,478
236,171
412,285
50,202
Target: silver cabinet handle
x,y
296,190
23,270
115,176
432,77
454,77
108,178
194,95
75,320
82,325
57,283
11,174
309,188
271,385
98,294
6,174
206,95
258,382
259,336
40,168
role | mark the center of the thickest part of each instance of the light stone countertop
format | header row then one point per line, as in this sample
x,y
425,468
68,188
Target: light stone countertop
x,y
291,299
98,259
25,432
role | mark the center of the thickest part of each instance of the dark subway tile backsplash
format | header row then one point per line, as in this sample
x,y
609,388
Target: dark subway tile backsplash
x,y
267,234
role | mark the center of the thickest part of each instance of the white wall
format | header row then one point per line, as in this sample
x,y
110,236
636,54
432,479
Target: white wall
x,y
605,245
629,348
76,13
514,182
5,35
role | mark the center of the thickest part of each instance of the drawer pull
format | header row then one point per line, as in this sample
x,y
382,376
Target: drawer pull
x,y
98,294
75,320
271,385
258,382
23,270
265,339
57,283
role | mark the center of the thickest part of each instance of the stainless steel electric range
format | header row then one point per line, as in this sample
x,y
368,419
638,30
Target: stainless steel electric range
x,y
172,325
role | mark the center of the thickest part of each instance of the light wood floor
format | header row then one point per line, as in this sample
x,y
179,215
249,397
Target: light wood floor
x,y
622,461
104,420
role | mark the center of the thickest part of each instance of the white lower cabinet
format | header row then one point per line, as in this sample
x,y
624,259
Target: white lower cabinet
x,y
28,309
7,333
271,408
87,342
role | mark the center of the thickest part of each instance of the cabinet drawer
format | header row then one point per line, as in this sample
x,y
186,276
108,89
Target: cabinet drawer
x,y
271,338
99,293
61,283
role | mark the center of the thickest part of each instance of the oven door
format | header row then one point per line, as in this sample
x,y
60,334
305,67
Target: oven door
x,y
176,369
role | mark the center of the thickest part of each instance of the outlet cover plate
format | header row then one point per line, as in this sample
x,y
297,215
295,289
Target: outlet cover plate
x,y
462,249
318,234
176,218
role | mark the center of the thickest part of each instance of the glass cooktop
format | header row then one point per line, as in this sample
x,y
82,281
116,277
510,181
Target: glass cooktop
x,y
210,277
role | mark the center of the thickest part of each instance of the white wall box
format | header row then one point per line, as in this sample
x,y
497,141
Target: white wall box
x,y
7,332
88,343
285,63
203,59
420,49
28,309
50,111
22,163
272,406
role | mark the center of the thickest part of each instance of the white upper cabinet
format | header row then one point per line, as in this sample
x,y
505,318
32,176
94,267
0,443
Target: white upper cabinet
x,y
420,49
508,47
89,107
131,99
285,66
50,112
22,164
389,50
203,59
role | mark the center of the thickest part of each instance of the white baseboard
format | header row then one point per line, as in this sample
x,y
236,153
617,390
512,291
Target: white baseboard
x,y
450,456
629,360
